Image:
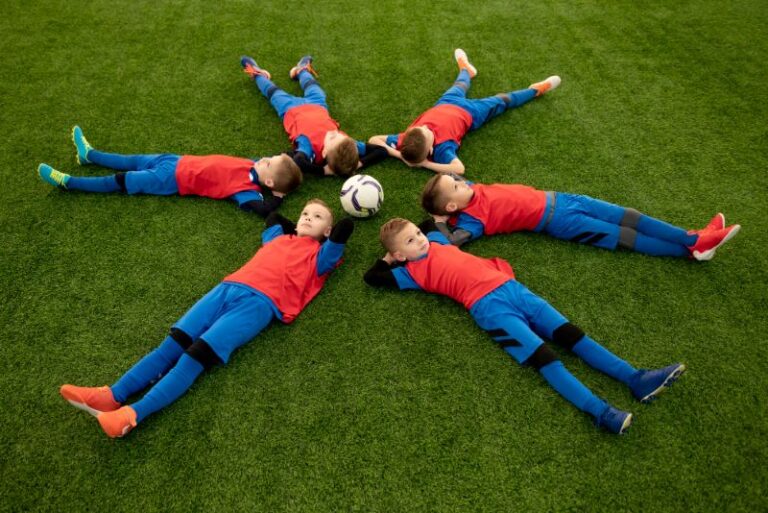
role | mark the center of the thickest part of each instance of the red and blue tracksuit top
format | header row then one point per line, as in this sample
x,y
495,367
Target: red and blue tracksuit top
x,y
214,176
447,123
503,208
313,122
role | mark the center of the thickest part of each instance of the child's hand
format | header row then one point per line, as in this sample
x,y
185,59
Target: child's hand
x,y
440,219
278,194
388,258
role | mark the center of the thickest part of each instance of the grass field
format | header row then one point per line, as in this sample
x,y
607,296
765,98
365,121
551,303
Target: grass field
x,y
376,400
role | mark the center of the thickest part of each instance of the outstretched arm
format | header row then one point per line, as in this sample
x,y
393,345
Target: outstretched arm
x,y
456,166
333,249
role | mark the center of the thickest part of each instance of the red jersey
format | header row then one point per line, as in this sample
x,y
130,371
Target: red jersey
x,y
313,122
214,176
447,122
461,276
505,208
285,270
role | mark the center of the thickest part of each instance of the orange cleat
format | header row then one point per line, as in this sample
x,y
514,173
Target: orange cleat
x,y
717,223
710,240
119,422
305,63
463,61
252,69
545,85
94,400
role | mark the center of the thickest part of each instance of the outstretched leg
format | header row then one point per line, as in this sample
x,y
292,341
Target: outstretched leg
x,y
279,99
306,75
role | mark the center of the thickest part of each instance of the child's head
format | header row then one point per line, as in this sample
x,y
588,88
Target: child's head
x,y
280,173
417,144
341,153
403,239
316,220
445,195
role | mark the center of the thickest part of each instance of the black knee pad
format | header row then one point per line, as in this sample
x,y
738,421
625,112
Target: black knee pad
x,y
181,338
567,335
631,218
120,179
627,237
541,357
204,355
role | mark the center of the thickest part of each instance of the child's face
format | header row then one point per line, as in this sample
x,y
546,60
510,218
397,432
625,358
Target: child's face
x,y
332,139
410,244
457,193
266,168
315,221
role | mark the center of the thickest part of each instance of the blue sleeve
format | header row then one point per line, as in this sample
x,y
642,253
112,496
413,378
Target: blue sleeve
x,y
404,279
329,256
303,145
435,236
471,224
360,148
445,152
246,196
270,233
392,140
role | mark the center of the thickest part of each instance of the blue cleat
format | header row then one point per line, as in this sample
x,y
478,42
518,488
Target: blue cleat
x,y
614,420
252,68
53,177
305,63
646,384
82,146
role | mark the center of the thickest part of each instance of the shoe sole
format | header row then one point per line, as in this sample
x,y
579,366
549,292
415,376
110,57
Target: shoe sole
x,y
80,161
704,256
625,425
674,376
85,408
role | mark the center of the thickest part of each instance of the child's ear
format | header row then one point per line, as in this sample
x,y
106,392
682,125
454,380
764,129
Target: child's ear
x,y
327,232
399,256
269,182
451,207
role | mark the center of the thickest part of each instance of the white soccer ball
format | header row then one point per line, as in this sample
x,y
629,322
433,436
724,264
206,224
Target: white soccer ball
x,y
361,196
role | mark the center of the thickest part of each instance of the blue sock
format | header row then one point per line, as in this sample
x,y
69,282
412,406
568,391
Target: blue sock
x,y
659,247
665,231
120,162
171,387
603,360
518,98
93,184
572,389
147,370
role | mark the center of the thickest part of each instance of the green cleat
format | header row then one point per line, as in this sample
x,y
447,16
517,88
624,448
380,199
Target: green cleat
x,y
53,177
82,146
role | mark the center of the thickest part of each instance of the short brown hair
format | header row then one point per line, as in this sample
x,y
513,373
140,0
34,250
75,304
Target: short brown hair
x,y
414,147
343,159
431,199
390,230
318,201
287,176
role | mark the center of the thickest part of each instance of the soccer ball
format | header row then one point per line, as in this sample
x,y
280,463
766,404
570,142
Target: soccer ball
x,y
361,196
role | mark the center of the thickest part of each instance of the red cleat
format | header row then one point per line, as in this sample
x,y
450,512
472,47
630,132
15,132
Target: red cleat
x,y
717,223
119,422
94,400
710,240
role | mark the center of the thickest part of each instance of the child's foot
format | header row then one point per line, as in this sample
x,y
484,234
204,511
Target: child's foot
x,y
249,66
117,423
82,146
646,385
463,61
94,400
710,240
614,420
305,63
53,177
548,84
716,223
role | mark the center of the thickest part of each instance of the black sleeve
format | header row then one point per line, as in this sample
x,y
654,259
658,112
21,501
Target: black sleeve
x,y
342,231
287,225
380,275
262,207
307,166
373,155
457,237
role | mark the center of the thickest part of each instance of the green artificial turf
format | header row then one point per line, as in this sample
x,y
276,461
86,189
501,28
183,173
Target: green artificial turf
x,y
375,400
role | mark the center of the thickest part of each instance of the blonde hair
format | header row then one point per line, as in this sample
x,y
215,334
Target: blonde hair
x,y
287,175
343,158
390,230
431,199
